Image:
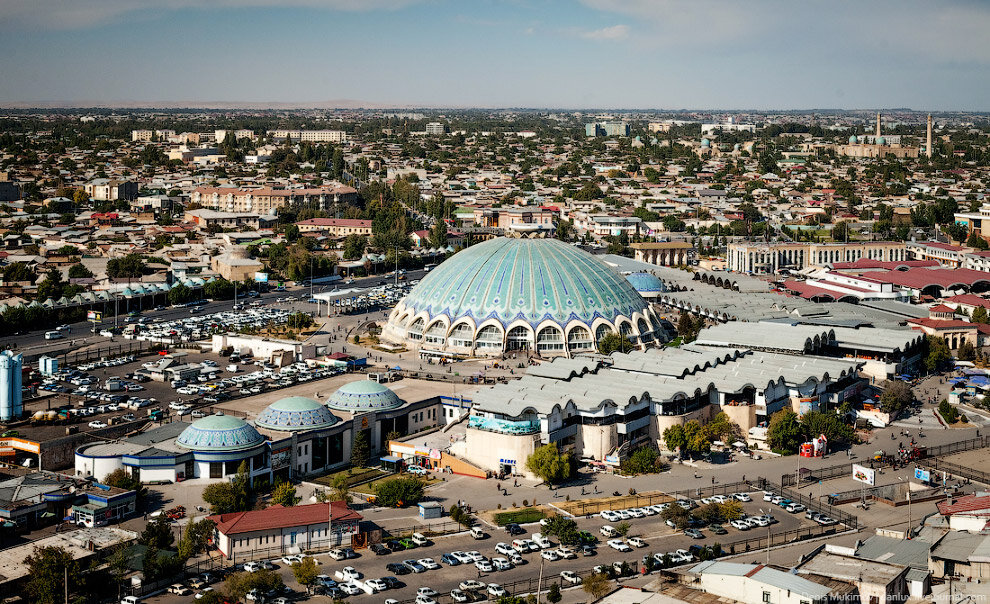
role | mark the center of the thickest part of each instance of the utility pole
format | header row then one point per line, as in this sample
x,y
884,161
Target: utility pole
x,y
539,582
397,265
65,569
909,512
768,546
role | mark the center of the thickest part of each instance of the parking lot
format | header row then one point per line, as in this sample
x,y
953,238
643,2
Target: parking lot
x,y
447,561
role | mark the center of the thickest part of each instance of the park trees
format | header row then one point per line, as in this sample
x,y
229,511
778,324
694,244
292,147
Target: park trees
x,y
550,464
784,432
938,354
614,342
284,494
306,572
360,450
48,570
130,266
896,397
398,492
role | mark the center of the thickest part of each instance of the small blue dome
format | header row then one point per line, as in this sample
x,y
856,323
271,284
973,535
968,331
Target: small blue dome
x,y
853,140
296,413
706,143
219,433
881,141
362,396
645,283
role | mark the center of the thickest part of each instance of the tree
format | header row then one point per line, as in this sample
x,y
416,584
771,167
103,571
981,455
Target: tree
x,y
949,413
698,440
292,233
438,234
196,538
354,246
966,352
830,425
896,397
158,534
980,315
674,438
121,479
840,231
564,528
238,585
19,271
48,568
597,585
644,460
157,564
553,594
221,498
784,432
460,516
938,353
78,271
130,266
360,450
623,528
284,495
399,492
180,294
306,572
340,489
51,286
975,241
219,289
549,464
613,342
676,514
722,428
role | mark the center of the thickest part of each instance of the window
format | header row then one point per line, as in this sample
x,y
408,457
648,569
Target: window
x,y
216,469
766,596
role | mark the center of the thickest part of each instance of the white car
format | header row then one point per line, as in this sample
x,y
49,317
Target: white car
x,y
637,542
97,424
348,573
475,555
429,592
459,596
501,564
505,549
202,594
376,585
549,555
610,516
496,590
462,557
416,470
758,521
719,498
740,524
484,566
290,560
794,508
744,497
619,545
350,589
428,563
570,577
680,556
635,512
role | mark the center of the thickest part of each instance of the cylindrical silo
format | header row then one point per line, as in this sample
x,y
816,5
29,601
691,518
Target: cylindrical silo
x,y
6,381
16,395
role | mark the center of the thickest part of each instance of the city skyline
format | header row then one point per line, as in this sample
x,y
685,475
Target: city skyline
x,y
608,54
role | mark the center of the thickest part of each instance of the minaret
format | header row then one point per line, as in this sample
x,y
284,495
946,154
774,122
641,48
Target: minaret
x,y
928,148
878,126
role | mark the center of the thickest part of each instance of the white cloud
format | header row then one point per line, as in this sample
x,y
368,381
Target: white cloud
x,y
615,32
80,14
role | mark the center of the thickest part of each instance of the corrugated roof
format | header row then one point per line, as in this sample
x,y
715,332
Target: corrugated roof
x,y
897,551
277,517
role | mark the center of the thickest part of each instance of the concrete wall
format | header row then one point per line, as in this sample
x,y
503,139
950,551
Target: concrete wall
x,y
485,449
597,441
662,422
744,415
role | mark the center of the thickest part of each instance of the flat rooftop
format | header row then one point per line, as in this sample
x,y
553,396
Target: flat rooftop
x,y
12,565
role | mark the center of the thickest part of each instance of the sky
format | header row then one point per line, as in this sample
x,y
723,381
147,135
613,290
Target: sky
x,y
610,54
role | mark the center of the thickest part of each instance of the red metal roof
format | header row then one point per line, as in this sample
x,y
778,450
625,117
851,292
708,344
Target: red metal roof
x,y
343,222
942,308
966,503
279,517
920,278
969,300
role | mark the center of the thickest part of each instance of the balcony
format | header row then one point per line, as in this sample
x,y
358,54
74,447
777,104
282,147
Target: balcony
x,y
504,426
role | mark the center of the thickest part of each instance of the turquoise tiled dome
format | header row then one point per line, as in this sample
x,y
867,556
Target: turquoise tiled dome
x,y
364,395
645,283
296,413
509,293
219,433
529,279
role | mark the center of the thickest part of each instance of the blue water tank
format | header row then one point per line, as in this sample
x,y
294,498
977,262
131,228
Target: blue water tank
x,y
11,405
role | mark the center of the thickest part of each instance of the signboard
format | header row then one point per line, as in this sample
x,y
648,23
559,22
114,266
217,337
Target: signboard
x,y
922,475
435,454
507,462
21,445
281,458
94,315
612,460
865,475
261,277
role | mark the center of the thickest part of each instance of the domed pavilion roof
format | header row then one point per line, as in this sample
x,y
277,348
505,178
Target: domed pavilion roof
x,y
533,280
219,433
645,283
364,395
296,413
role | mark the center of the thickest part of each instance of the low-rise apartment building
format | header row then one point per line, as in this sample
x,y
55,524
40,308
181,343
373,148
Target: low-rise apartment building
x,y
766,258
266,200
335,227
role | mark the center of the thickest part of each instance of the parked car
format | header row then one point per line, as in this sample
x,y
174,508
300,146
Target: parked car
x,y
571,577
694,533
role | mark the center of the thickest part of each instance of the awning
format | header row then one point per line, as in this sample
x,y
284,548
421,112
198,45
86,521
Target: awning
x,y
48,515
391,459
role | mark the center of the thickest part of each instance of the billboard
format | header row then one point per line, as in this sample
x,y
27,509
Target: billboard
x,y
94,315
261,277
922,475
863,474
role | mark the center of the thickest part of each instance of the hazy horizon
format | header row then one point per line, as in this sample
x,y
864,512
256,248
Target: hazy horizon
x,y
663,55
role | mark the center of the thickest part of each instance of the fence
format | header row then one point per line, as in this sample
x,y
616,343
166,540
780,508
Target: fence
x,y
956,470
590,507
127,347
811,503
845,469
192,569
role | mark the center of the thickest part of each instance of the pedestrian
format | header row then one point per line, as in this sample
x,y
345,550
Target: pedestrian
x,y
498,486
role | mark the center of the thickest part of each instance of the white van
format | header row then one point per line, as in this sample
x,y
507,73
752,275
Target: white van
x,y
608,531
53,335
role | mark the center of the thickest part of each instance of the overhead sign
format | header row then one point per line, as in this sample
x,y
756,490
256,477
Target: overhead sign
x,y
94,315
865,475
922,475
261,277
21,445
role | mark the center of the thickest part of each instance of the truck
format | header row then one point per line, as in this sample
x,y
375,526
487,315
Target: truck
x,y
113,384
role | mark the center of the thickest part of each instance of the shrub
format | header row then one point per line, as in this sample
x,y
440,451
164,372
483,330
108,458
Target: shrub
x,y
519,516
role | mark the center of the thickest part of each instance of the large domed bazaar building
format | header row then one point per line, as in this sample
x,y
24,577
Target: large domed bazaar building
x,y
518,293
